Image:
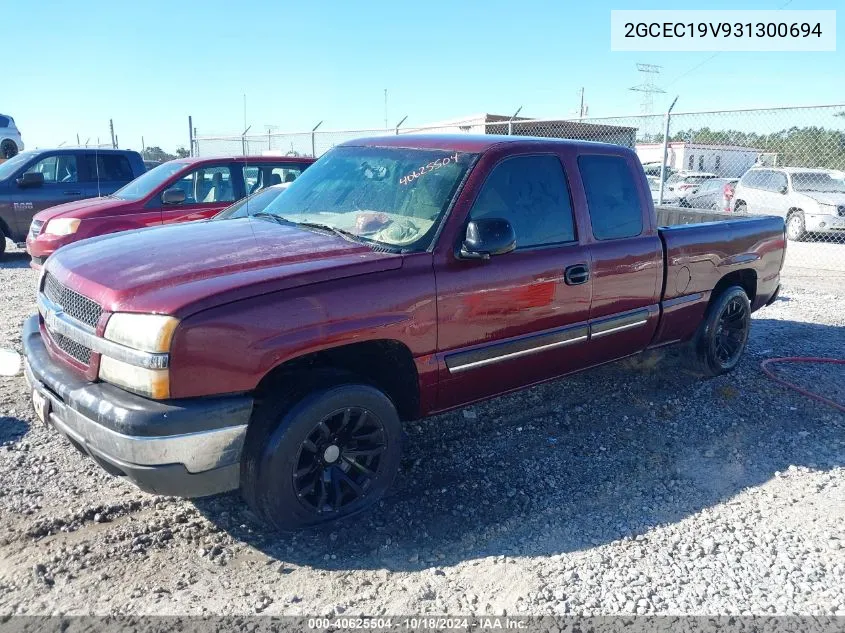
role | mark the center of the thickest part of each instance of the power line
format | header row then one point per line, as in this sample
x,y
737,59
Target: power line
x,y
697,66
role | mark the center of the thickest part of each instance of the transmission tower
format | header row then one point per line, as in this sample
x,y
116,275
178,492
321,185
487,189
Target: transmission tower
x,y
647,87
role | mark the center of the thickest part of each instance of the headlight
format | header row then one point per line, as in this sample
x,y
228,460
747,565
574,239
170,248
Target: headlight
x,y
146,332
827,209
153,383
62,226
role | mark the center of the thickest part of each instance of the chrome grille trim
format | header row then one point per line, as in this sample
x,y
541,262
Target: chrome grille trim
x,y
56,321
72,303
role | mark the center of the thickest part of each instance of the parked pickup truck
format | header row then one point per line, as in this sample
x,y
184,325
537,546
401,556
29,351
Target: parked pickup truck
x,y
177,191
32,181
396,278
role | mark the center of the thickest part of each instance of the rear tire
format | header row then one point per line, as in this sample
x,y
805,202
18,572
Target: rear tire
x,y
8,149
796,229
741,208
320,453
2,242
723,336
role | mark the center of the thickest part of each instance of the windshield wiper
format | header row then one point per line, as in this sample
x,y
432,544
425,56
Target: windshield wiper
x,y
272,216
348,235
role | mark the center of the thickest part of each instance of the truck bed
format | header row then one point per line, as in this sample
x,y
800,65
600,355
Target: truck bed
x,y
702,249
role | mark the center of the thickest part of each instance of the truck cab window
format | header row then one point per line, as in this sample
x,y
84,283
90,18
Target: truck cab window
x,y
531,193
612,198
56,168
108,167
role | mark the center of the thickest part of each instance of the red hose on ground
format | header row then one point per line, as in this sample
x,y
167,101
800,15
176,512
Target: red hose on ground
x,y
802,359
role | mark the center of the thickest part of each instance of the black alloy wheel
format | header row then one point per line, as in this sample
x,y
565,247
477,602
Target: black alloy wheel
x,y
317,451
339,460
723,335
731,332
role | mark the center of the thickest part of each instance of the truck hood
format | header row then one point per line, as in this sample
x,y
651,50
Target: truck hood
x,y
184,268
86,208
825,197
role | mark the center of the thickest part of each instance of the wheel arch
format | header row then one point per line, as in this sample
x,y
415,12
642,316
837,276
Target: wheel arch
x,y
386,364
745,278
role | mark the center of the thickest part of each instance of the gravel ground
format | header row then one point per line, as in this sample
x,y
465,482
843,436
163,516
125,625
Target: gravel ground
x,y
633,488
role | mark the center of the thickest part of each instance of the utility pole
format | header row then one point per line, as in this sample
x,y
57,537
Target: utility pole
x,y
191,134
581,109
245,125
270,129
143,145
111,129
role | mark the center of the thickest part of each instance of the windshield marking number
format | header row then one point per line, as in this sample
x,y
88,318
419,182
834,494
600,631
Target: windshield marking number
x,y
432,166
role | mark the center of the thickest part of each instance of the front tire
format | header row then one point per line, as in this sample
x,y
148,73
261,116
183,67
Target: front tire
x,y
796,228
322,455
723,335
2,242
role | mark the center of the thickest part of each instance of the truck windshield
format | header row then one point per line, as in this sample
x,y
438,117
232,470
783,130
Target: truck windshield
x,y
817,181
8,168
148,182
385,195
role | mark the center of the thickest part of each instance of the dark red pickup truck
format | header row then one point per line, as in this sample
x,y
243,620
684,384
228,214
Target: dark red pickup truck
x,y
396,278
180,190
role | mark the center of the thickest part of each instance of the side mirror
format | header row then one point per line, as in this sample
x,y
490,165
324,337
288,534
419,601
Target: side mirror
x,y
487,237
173,196
31,179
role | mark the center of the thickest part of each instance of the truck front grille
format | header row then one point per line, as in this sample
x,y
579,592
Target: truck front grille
x,y
71,302
72,348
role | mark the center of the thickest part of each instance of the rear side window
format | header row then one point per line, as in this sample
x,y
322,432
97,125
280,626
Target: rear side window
x,y
4,121
108,167
257,177
612,199
531,193
777,182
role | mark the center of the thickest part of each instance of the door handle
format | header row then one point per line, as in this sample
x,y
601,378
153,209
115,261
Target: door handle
x,y
72,193
576,274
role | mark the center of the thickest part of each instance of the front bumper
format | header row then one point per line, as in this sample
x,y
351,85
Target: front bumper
x,y
823,223
185,448
44,244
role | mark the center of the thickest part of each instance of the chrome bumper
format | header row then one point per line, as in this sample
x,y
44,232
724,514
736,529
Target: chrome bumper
x,y
186,448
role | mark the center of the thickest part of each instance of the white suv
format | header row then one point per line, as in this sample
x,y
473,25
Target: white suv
x,y
10,138
811,200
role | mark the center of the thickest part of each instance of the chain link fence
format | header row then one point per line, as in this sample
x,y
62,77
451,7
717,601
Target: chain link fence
x,y
784,161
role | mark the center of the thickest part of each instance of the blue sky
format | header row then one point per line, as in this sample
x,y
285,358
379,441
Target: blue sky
x,y
72,66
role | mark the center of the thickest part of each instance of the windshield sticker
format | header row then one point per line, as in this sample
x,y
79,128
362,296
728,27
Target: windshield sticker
x,y
425,169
